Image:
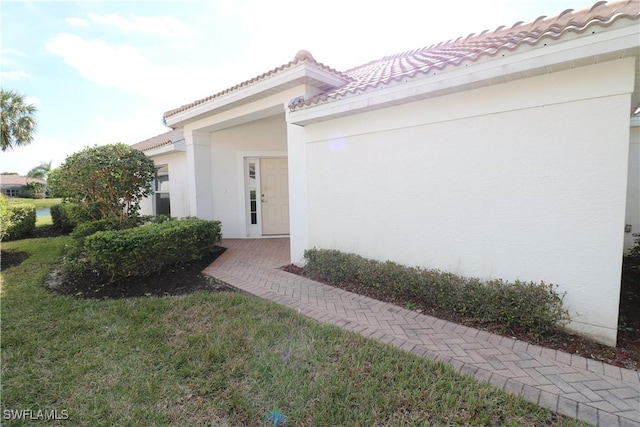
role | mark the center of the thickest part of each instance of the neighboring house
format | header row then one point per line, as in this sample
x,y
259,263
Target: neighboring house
x,y
508,154
19,186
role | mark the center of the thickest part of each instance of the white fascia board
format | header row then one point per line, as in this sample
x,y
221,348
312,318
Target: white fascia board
x,y
166,149
557,55
298,73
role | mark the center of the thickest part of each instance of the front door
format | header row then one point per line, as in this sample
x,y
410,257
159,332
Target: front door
x,y
274,189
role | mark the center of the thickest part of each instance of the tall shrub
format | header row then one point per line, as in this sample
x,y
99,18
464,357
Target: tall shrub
x,y
110,180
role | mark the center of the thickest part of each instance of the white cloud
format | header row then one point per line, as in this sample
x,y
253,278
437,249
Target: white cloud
x,y
76,22
115,66
155,25
23,159
125,67
135,127
14,75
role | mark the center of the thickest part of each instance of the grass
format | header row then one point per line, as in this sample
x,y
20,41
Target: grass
x,y
39,203
44,220
217,358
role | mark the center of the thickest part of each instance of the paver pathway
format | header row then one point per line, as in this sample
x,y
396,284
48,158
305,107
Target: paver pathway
x,y
569,384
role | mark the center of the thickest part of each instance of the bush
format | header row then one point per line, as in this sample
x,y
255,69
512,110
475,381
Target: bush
x,y
21,221
535,307
5,221
66,216
88,228
145,250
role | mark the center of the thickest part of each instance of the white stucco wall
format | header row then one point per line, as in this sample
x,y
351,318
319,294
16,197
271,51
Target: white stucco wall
x,y
178,189
633,187
229,147
520,181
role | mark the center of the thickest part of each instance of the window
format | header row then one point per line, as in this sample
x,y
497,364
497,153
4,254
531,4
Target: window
x,y
161,188
253,201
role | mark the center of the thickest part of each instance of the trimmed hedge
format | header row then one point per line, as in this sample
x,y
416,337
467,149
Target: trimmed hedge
x,y
20,221
532,306
144,250
88,228
64,216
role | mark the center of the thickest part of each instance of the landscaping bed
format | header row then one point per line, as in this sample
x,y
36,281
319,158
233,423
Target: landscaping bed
x,y
179,280
626,354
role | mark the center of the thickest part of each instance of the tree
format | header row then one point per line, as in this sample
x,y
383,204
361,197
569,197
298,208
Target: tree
x,y
41,171
17,123
108,181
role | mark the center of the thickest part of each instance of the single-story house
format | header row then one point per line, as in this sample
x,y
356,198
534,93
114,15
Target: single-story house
x,y
511,154
22,186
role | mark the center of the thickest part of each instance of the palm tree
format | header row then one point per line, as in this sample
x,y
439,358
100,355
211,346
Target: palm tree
x,y
41,171
18,122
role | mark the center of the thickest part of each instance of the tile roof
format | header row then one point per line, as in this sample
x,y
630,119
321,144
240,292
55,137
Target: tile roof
x,y
427,60
301,57
19,180
419,62
170,137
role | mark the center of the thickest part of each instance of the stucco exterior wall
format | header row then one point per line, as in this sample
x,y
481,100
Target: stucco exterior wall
x,y
229,147
633,189
521,181
178,189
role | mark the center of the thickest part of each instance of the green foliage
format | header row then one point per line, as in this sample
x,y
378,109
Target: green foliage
x,y
5,221
21,221
54,188
142,251
66,216
110,180
88,228
33,190
533,306
631,262
17,120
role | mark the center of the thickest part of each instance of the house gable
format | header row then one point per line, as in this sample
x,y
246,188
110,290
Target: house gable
x,y
303,70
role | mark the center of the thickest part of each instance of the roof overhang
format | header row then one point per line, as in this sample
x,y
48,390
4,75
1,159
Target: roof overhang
x,y
618,41
173,147
295,75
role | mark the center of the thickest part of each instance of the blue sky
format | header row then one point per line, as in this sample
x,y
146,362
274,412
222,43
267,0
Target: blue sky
x,y
105,71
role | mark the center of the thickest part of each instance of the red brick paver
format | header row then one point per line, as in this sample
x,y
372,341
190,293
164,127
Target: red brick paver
x,y
571,385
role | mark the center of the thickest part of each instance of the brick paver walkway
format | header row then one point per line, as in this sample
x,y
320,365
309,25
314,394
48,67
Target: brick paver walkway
x,y
565,383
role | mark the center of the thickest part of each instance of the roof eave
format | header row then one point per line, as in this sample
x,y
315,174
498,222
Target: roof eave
x,y
171,147
598,47
302,73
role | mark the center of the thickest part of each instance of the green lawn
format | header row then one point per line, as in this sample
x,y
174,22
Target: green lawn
x,y
216,359
39,203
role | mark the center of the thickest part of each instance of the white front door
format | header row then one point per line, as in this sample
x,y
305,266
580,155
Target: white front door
x,y
274,189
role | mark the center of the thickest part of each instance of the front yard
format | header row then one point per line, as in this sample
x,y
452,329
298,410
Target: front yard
x,y
215,358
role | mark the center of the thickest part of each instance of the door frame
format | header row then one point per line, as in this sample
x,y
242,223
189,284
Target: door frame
x,y
243,159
